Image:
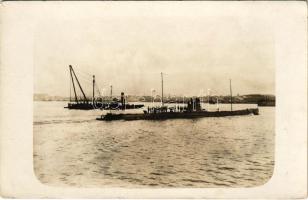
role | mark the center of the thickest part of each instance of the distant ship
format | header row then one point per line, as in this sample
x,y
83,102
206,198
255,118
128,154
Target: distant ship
x,y
86,104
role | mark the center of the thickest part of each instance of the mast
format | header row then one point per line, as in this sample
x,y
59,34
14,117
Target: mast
x,y
110,98
70,91
93,89
231,94
85,98
162,89
71,68
111,92
125,102
152,93
208,99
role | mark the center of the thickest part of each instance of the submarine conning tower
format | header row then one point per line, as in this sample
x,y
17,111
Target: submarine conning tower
x,y
193,105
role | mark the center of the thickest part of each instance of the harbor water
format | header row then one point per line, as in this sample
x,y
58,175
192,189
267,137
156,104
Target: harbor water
x,y
73,149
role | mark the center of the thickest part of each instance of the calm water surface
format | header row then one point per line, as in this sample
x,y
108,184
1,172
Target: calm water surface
x,y
71,148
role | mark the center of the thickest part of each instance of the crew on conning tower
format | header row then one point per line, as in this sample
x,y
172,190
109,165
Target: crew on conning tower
x,y
193,105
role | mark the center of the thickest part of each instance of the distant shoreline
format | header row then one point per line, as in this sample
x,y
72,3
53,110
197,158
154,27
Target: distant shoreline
x,y
260,99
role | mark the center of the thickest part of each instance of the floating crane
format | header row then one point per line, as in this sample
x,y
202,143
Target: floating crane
x,y
86,104
79,104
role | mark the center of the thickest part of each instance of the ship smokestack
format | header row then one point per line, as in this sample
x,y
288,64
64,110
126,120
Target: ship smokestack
x,y
122,100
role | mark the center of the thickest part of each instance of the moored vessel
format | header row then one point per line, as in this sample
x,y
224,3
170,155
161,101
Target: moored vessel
x,y
96,103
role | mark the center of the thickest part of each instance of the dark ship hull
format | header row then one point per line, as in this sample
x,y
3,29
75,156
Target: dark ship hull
x,y
177,115
80,106
266,103
118,106
112,106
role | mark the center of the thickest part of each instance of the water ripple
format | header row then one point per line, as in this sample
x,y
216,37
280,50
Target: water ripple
x,y
72,150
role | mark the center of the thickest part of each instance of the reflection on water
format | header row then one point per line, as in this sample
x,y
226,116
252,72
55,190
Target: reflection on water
x,y
71,148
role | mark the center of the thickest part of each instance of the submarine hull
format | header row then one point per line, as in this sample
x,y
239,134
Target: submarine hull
x,y
177,115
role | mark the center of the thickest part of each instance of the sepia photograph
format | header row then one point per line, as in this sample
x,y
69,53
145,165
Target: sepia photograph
x,y
153,99
154,102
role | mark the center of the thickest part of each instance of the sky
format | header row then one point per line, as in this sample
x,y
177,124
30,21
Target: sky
x,y
194,53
